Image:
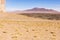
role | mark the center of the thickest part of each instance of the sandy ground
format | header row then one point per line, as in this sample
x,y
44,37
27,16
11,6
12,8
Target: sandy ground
x,y
19,27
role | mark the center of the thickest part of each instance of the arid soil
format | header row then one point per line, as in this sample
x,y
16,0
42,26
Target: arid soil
x,y
21,27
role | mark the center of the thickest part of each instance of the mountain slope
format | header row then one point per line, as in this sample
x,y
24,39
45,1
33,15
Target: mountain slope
x,y
41,9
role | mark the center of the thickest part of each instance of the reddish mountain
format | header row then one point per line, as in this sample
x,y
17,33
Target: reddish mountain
x,y
41,9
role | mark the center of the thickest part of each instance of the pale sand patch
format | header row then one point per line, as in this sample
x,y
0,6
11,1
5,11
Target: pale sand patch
x,y
19,27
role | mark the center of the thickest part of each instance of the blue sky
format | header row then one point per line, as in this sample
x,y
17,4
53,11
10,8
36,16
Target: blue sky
x,y
12,5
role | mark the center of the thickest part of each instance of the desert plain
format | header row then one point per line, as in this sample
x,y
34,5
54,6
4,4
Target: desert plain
x,y
21,27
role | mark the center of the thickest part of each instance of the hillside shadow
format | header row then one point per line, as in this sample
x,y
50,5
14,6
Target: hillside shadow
x,y
43,15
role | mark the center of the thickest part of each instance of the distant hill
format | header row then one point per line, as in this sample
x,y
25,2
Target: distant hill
x,y
41,9
37,10
42,13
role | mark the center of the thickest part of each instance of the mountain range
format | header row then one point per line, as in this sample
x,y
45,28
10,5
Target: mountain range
x,y
38,10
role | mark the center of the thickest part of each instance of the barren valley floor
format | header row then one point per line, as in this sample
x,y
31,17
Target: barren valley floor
x,y
20,27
